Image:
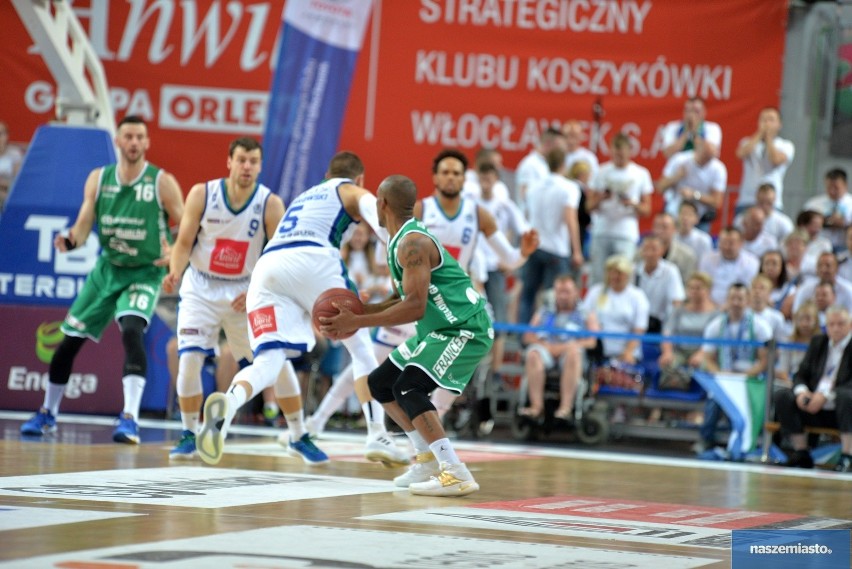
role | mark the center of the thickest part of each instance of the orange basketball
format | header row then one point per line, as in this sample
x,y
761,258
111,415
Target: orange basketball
x,y
325,307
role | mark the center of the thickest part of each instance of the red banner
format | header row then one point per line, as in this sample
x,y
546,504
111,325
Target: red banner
x,y
432,73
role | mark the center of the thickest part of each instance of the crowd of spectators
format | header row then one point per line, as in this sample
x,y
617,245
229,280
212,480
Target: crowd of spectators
x,y
761,276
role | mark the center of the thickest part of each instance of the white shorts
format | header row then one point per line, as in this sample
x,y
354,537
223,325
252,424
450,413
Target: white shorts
x,y
284,285
392,336
205,309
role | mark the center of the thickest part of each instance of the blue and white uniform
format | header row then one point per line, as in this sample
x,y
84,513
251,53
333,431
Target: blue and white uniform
x,y
299,263
227,248
458,234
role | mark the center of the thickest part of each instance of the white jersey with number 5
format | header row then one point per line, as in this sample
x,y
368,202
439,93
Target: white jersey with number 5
x,y
229,241
457,234
316,217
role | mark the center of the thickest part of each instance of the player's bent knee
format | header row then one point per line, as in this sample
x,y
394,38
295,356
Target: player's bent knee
x,y
412,390
132,337
381,381
189,374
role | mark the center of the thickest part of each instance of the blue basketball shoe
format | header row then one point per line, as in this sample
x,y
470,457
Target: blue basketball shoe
x,y
42,423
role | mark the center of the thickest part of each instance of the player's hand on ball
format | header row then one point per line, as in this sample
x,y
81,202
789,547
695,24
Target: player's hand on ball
x,y
340,325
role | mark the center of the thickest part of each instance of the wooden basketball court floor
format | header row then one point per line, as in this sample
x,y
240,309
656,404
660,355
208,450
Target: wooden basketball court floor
x,y
76,500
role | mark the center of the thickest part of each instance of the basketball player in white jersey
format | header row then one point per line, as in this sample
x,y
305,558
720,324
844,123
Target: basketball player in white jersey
x,y
226,223
301,261
456,222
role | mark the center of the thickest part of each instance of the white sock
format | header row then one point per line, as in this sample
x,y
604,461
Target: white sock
x,y
444,452
375,415
443,400
341,389
53,396
134,386
237,396
296,424
190,421
420,444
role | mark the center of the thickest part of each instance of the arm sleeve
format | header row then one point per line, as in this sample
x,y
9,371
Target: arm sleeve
x,y
509,256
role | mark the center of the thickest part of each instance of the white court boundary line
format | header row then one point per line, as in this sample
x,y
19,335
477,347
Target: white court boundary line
x,y
529,450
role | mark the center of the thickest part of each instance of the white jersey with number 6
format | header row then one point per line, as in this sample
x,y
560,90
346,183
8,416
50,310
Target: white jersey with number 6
x,y
457,234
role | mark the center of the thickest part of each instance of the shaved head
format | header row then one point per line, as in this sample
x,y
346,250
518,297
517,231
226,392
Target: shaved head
x,y
400,193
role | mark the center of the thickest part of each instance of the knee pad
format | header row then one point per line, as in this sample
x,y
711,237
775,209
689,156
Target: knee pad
x,y
381,381
442,400
412,390
360,347
287,383
63,359
189,374
132,334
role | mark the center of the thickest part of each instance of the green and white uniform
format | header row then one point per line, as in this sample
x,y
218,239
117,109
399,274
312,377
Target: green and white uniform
x,y
455,332
131,224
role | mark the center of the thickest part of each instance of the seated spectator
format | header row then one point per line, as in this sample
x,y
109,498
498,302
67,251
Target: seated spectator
x,y
621,193
619,306
682,256
755,239
761,288
822,392
546,352
689,319
660,281
775,223
10,163
826,271
737,322
805,327
730,264
835,205
825,296
844,259
688,233
359,255
682,135
794,248
695,176
774,268
811,222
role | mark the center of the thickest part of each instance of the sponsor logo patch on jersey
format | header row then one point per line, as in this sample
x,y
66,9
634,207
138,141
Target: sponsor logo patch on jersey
x,y
262,321
228,257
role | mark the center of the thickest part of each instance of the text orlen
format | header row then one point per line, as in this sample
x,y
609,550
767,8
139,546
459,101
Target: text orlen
x,y
23,379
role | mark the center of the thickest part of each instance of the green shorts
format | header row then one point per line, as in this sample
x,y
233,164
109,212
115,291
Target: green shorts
x,y
449,356
112,291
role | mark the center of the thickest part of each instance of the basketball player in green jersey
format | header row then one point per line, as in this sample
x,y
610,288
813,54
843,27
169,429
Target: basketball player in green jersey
x,y
453,334
132,203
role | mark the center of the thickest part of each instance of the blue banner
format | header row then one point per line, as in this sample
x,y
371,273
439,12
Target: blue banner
x,y
788,549
320,43
44,201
